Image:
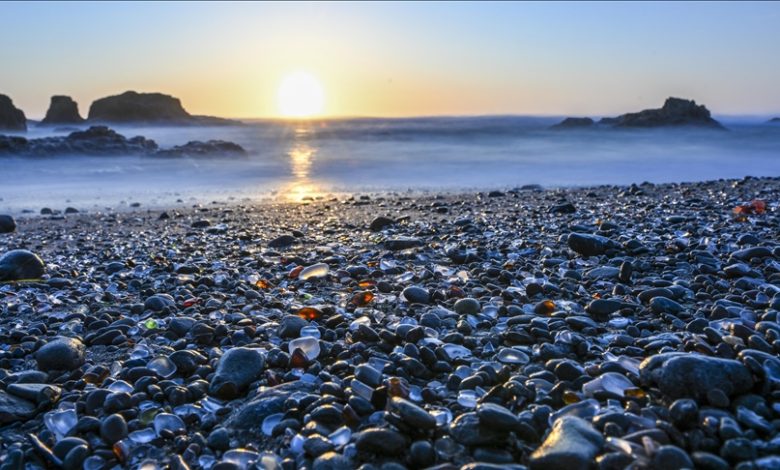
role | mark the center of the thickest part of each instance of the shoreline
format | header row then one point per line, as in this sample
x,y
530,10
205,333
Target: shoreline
x,y
284,195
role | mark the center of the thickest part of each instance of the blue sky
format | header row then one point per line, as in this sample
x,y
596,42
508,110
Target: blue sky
x,y
399,59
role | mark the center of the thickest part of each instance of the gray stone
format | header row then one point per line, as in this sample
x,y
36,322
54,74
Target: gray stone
x,y
590,245
671,458
416,295
467,306
14,409
690,375
603,272
412,414
17,265
237,368
402,243
60,354
368,375
7,224
159,302
380,223
664,305
380,441
468,430
290,326
270,401
113,428
282,241
571,444
600,309
496,416
331,461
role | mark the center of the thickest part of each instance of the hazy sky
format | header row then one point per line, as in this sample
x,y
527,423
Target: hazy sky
x,y
398,59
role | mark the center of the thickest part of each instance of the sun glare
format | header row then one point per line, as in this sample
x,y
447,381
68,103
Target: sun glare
x,y
300,95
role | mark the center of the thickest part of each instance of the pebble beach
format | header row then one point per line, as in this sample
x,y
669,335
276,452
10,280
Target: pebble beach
x,y
604,327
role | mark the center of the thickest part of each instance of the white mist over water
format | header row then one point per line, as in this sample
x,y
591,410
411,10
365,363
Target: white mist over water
x,y
294,160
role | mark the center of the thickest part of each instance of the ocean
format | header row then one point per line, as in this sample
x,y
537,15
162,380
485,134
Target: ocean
x,y
319,158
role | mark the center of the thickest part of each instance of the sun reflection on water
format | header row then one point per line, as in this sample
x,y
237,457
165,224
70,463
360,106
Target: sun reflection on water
x,y
301,156
300,160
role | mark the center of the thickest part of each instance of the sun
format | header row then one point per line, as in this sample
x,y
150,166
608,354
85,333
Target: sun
x,y
300,95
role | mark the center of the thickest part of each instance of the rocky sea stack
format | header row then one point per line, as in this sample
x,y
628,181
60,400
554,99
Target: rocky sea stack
x,y
574,123
11,117
676,112
150,108
62,110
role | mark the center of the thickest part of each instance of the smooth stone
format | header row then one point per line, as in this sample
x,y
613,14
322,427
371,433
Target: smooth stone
x,y
602,273
412,414
708,461
589,245
181,325
468,430
572,443
187,361
684,412
42,394
331,461
467,306
7,224
290,326
402,243
691,375
416,295
497,416
770,462
219,439
603,307
18,265
14,409
380,223
113,428
237,368
316,445
368,375
753,252
251,414
380,441
159,302
75,458
60,354
671,458
660,305
282,241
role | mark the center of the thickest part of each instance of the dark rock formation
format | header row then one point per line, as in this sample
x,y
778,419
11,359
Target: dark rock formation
x,y
133,107
62,110
152,108
11,118
101,140
774,120
574,123
197,148
97,140
676,112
